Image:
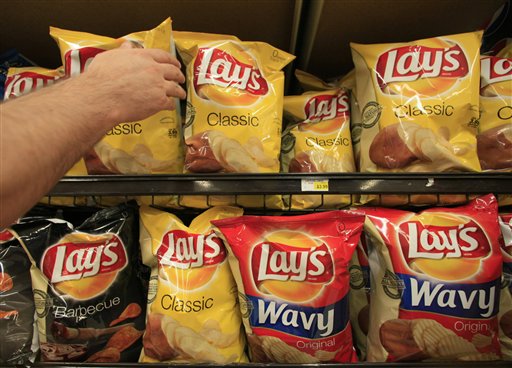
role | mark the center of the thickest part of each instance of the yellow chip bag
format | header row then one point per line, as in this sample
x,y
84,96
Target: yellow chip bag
x,y
318,140
192,312
494,140
419,104
234,103
151,146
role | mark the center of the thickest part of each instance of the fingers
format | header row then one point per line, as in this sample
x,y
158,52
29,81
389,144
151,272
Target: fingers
x,y
171,73
175,90
162,56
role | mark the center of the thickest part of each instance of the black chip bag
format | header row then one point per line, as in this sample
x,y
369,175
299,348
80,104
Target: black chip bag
x,y
17,312
89,296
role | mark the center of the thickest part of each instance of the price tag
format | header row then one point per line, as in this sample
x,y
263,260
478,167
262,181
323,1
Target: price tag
x,y
311,185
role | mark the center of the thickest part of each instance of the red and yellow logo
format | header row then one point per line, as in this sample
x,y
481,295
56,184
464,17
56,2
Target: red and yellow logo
x,y
445,246
291,265
84,265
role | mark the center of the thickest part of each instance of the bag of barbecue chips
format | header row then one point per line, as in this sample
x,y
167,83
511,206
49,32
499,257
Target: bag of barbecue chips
x,y
88,287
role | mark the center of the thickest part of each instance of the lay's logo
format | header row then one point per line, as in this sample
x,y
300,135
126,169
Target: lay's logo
x,y
410,63
70,261
184,250
22,83
327,107
437,242
495,70
76,61
275,261
219,68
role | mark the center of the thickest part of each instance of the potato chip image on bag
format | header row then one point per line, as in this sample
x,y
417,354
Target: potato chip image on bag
x,y
419,104
436,277
318,140
505,315
88,287
494,141
151,146
192,313
293,283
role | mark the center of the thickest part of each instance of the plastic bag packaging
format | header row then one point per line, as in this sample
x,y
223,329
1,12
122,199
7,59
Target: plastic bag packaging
x,y
419,104
494,140
151,146
317,139
18,341
435,279
192,313
293,282
505,315
89,286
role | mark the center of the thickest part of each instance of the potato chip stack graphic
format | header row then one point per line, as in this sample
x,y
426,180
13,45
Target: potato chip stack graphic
x,y
438,277
292,276
192,313
419,104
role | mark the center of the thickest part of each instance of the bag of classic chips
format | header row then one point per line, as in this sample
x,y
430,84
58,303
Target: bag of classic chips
x,y
419,104
293,282
88,290
151,146
192,313
436,278
494,140
18,342
318,140
505,315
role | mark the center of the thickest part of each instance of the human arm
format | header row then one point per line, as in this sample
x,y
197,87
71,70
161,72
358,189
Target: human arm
x,y
42,134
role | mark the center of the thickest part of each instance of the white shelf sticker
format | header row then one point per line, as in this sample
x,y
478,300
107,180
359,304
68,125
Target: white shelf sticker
x,y
312,185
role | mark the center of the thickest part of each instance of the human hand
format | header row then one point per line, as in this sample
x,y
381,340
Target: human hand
x,y
134,83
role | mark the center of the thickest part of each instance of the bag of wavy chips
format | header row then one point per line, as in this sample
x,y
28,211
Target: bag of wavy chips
x,y
88,286
18,342
293,282
192,313
505,315
494,140
151,146
419,104
318,140
436,279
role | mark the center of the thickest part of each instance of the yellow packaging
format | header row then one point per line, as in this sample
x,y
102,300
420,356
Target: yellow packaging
x,y
506,51
150,146
419,104
494,140
234,103
318,140
192,313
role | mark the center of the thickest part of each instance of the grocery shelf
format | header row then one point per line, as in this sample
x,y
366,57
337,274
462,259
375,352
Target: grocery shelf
x,y
257,184
457,364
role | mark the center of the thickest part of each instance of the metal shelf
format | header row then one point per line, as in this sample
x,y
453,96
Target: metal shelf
x,y
353,183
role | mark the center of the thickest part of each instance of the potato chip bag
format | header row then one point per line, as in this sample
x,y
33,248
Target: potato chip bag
x,y
505,315
494,140
360,297
234,108
234,103
317,139
151,146
88,286
419,104
293,282
506,49
436,279
192,313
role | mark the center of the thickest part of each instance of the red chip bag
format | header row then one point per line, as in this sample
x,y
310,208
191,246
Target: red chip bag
x,y
293,282
436,279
